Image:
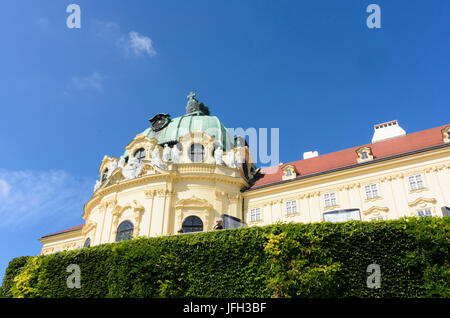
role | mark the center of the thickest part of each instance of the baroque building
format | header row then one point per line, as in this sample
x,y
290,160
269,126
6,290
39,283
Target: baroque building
x,y
189,171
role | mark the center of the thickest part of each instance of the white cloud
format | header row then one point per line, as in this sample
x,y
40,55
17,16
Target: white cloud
x,y
136,45
35,196
93,81
4,188
141,44
131,43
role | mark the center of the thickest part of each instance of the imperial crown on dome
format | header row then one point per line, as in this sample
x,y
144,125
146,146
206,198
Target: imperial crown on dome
x,y
169,130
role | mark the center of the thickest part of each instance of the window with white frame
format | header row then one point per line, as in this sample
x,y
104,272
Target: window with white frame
x,y
330,199
424,212
291,207
255,214
371,191
416,182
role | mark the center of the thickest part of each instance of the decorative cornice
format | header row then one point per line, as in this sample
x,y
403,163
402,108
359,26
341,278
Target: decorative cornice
x,y
90,225
376,209
331,207
166,177
422,200
193,202
364,167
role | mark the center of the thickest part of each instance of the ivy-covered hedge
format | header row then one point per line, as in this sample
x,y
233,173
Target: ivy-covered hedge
x,y
14,268
281,260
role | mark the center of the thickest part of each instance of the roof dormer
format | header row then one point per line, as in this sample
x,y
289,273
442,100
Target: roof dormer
x,y
289,172
446,134
364,154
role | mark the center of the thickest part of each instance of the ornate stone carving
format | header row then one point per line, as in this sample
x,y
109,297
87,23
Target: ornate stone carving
x,y
446,134
132,169
376,211
289,172
176,153
364,154
422,201
167,153
218,156
112,167
233,197
231,159
156,158
88,227
219,194
136,208
97,185
121,162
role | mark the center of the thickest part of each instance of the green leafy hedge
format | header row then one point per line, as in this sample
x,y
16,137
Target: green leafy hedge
x,y
14,268
281,260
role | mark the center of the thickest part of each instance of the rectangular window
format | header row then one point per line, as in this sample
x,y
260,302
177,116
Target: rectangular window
x,y
330,199
291,207
424,212
255,214
342,215
416,182
371,191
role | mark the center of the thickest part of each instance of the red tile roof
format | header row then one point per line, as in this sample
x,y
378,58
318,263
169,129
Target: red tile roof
x,y
348,157
78,227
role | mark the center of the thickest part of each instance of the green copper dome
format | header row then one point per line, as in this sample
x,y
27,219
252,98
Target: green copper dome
x,y
168,131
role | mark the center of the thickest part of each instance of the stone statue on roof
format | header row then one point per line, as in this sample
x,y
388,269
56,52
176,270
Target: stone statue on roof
x,y
167,153
194,106
121,162
112,167
218,153
97,185
133,169
231,159
156,158
176,153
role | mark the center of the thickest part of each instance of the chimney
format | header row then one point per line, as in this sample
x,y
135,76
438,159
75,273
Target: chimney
x,y
310,154
388,130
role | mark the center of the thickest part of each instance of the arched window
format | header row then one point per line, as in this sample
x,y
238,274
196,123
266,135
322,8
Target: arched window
x,y
87,243
104,175
196,153
140,154
124,231
192,224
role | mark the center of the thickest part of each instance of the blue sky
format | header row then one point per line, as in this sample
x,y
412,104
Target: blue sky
x,y
311,68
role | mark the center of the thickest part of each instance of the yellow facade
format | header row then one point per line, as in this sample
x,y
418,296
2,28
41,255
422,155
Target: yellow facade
x,y
163,194
395,197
